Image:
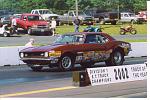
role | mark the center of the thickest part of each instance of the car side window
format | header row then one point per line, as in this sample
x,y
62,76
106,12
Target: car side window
x,y
126,15
91,39
101,39
36,12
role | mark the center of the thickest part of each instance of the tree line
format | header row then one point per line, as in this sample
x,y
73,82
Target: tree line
x,y
61,6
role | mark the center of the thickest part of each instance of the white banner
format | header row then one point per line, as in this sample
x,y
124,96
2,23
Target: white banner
x,y
115,74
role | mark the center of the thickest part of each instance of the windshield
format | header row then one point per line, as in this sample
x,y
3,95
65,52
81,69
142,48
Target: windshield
x,y
132,15
45,12
35,18
70,39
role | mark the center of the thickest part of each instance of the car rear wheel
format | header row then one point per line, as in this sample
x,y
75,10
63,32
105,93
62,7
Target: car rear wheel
x,y
66,62
116,58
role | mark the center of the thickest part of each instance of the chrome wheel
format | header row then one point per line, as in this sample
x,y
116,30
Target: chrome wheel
x,y
66,62
117,57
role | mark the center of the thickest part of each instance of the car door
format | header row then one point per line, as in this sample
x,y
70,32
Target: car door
x,y
95,47
125,17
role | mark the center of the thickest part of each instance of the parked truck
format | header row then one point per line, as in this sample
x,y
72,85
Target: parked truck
x,y
33,24
131,18
103,16
46,14
71,15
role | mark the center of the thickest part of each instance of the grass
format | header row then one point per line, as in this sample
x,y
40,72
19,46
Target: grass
x,y
110,29
132,40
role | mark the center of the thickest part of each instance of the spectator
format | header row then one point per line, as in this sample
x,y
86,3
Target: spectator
x,y
53,26
14,25
76,23
30,43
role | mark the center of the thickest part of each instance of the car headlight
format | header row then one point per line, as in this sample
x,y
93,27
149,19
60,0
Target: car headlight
x,y
21,55
46,54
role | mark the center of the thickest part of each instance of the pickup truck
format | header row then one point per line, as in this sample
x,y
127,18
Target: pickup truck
x,y
131,18
46,14
33,23
71,15
103,16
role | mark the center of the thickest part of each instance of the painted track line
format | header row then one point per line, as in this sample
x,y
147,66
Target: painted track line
x,y
37,91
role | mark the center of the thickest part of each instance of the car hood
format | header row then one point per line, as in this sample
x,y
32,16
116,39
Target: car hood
x,y
42,48
48,15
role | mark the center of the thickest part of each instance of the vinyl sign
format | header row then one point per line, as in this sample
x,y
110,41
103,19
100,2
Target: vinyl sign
x,y
115,74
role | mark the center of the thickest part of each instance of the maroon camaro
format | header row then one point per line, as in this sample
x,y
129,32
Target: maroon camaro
x,y
84,48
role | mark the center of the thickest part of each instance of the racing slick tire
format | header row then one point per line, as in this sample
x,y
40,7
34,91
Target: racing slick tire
x,y
66,62
36,69
115,59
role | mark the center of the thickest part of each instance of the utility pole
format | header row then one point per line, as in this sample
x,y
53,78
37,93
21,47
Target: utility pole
x,y
118,9
77,8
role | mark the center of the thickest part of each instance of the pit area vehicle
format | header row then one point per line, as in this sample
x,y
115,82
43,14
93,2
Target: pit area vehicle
x,y
103,16
5,31
131,18
69,17
130,29
34,24
85,48
46,14
92,29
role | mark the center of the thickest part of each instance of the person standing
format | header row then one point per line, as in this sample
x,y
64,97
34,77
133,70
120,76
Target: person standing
x,y
30,43
53,26
14,25
76,23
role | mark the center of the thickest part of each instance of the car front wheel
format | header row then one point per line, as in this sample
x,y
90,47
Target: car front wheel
x,y
116,58
66,63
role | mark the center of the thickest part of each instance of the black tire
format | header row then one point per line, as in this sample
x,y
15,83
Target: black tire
x,y
5,34
66,62
116,58
102,21
36,69
87,65
29,31
113,23
122,32
133,31
133,21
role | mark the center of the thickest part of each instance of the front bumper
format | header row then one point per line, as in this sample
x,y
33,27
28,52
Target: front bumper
x,y
40,61
41,30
